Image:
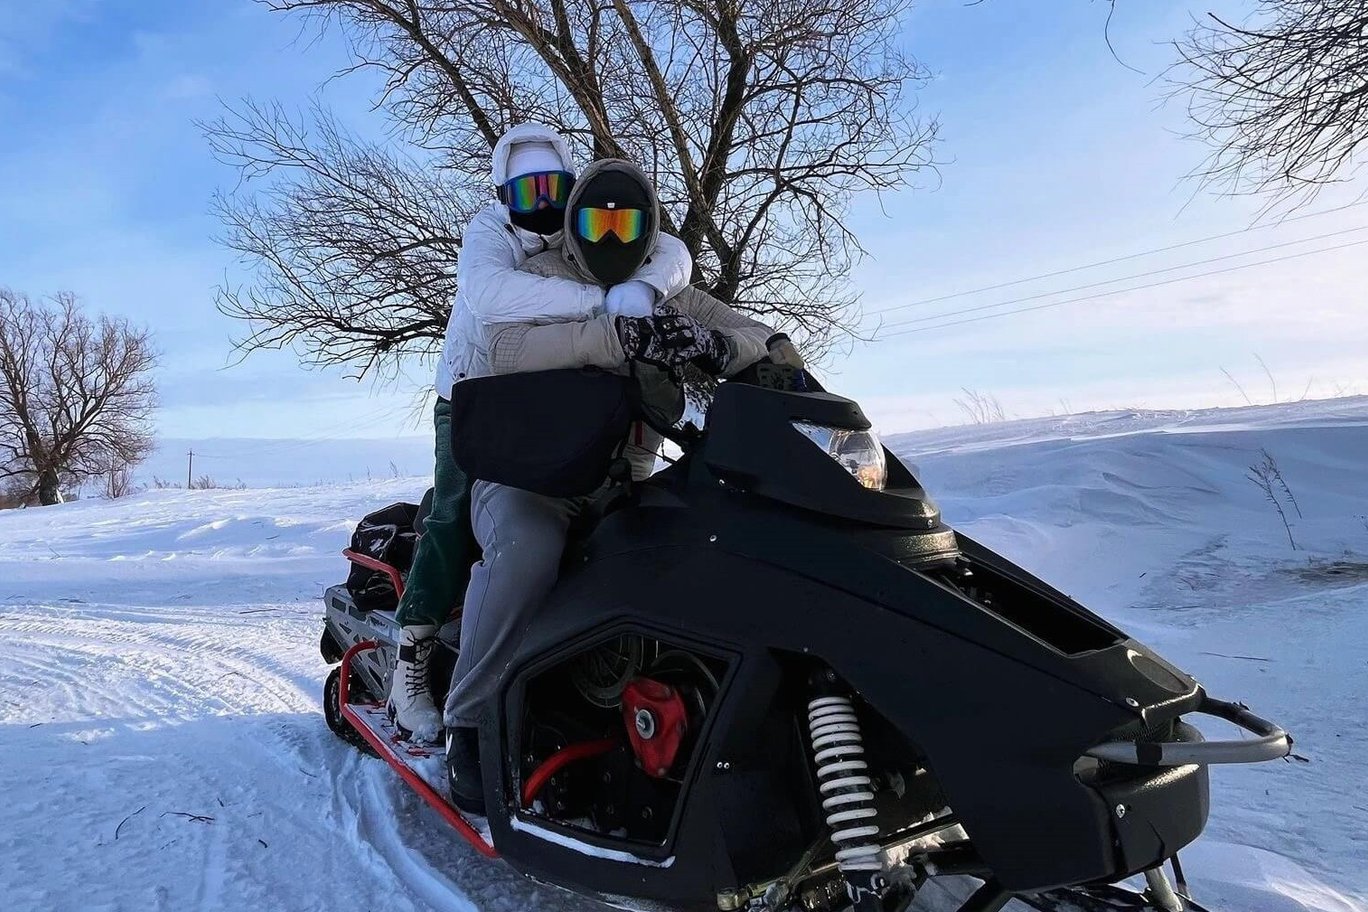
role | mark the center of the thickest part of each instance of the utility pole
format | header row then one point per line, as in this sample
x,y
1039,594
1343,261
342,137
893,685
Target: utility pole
x,y
189,469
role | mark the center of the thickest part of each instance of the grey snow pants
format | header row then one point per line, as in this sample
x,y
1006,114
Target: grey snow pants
x,y
523,538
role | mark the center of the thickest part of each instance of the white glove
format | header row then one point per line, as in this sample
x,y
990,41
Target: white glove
x,y
782,351
630,299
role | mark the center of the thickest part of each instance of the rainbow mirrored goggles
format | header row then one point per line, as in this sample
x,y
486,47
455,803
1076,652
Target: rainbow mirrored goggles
x,y
594,224
524,192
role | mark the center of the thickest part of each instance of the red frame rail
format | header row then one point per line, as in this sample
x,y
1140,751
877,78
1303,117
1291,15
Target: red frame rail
x,y
561,759
370,563
386,751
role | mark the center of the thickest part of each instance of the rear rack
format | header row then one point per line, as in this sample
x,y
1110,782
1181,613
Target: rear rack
x,y
365,560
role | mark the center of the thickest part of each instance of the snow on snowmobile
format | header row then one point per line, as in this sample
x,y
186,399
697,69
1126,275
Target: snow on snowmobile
x,y
770,678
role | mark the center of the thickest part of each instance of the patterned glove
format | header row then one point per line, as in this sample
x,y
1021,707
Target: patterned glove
x,y
717,354
669,339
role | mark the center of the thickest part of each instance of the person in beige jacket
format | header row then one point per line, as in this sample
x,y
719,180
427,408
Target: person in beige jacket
x,y
612,225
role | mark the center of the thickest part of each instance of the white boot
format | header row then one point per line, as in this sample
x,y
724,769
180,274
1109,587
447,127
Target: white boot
x,y
410,699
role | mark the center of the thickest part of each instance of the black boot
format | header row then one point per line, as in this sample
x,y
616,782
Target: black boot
x,y
463,770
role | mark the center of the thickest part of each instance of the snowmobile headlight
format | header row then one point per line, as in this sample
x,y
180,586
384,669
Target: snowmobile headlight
x,y
859,452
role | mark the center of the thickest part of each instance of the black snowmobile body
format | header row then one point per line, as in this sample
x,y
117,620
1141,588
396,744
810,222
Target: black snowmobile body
x,y
1000,729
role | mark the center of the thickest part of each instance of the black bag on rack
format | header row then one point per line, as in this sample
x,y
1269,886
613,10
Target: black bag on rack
x,y
386,535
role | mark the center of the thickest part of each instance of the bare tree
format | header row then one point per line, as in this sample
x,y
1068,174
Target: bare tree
x,y
756,120
353,249
1283,101
15,493
1269,479
76,394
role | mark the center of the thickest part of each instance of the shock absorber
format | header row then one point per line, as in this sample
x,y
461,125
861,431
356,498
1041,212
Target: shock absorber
x,y
844,788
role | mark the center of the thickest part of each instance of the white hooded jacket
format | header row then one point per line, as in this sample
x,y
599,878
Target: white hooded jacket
x,y
491,289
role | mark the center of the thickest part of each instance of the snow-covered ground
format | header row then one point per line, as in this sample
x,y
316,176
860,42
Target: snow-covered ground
x,y
161,745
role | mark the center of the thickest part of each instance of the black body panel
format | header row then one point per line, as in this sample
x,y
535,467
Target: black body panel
x,y
1002,714
771,575
752,444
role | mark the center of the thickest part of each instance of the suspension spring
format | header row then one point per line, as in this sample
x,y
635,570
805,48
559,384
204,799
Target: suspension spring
x,y
843,784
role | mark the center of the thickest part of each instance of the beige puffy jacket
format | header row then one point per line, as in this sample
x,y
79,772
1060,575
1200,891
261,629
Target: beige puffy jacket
x,y
519,347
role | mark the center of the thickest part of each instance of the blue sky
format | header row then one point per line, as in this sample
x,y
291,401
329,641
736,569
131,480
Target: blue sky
x,y
1056,156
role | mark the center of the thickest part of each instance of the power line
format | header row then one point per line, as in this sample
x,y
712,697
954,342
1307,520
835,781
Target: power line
x,y
1138,275
1106,294
1114,260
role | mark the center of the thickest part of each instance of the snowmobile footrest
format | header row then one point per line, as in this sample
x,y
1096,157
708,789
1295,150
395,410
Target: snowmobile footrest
x,y
407,758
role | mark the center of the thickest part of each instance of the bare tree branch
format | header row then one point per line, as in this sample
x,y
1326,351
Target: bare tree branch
x,y
757,121
352,248
1283,101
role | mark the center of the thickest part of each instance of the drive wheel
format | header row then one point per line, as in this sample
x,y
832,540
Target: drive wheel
x,y
332,710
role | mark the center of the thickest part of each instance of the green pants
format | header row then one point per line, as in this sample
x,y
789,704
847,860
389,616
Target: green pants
x,y
441,564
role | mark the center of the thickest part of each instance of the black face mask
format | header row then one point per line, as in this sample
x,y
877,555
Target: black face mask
x,y
611,260
547,220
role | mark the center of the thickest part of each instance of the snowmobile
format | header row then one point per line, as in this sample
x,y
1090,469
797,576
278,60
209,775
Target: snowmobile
x,y
771,678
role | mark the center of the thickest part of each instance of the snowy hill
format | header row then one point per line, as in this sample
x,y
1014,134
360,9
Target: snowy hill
x,y
162,748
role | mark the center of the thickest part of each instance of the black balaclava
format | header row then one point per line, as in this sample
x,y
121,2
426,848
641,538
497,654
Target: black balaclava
x,y
546,220
611,261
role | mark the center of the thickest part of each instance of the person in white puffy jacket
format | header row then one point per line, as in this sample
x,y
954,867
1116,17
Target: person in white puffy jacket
x,y
533,172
